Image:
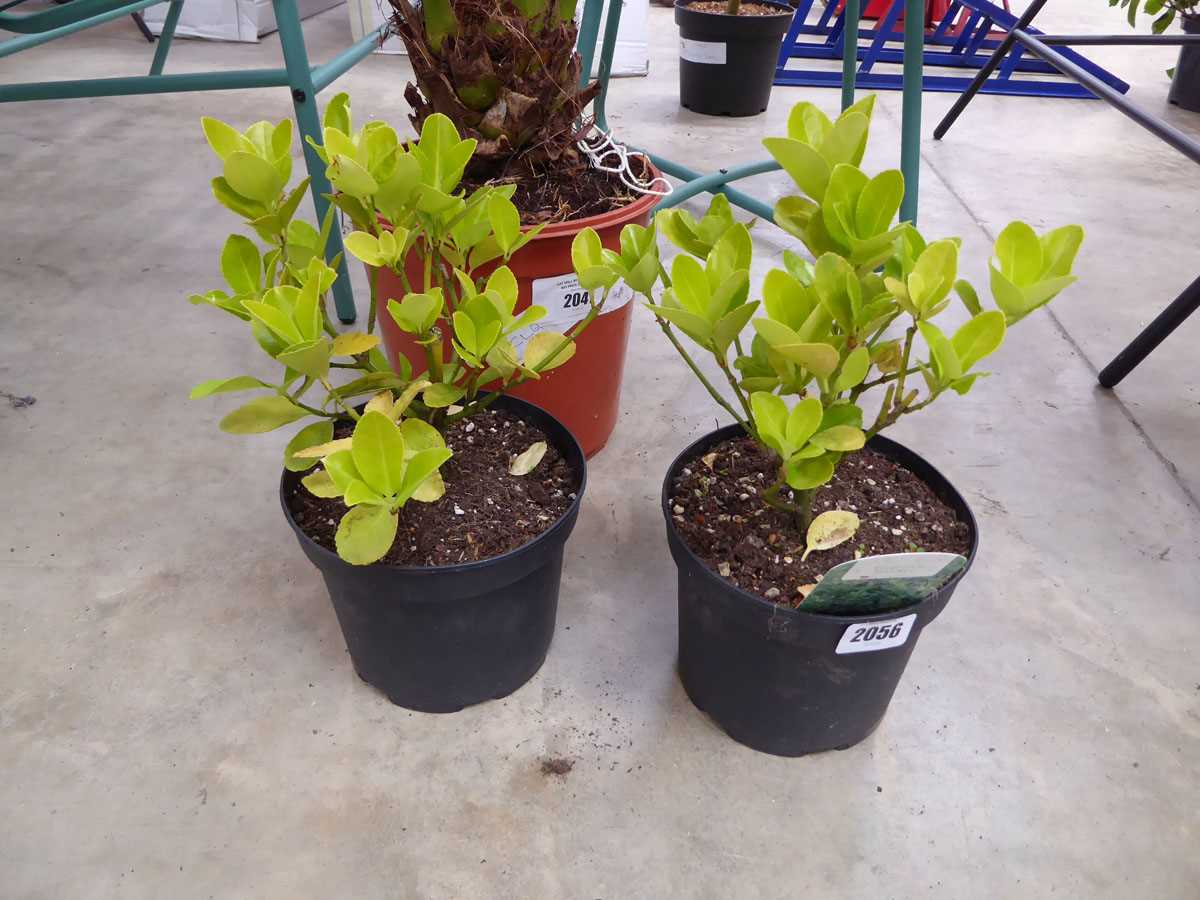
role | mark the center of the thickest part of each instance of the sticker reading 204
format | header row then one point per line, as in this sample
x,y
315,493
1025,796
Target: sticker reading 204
x,y
865,637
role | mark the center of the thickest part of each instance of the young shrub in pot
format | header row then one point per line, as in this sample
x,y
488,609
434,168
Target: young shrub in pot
x,y
757,512
440,606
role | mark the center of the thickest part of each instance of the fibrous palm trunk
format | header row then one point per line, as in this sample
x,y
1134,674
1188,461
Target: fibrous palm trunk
x,y
504,71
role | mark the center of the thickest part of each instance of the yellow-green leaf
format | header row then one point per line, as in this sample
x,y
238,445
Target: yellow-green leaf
x,y
354,342
312,435
378,450
365,534
437,396
542,346
830,529
320,451
262,414
225,386
319,484
526,462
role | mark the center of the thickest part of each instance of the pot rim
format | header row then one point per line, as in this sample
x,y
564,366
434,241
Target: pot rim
x,y
614,217
692,451
562,521
785,9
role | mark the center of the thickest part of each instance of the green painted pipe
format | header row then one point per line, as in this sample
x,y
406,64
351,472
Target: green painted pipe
x,y
850,51
910,117
327,73
24,42
144,84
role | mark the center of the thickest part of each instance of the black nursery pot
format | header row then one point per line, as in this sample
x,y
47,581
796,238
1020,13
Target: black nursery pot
x,y
1185,85
438,639
769,675
727,63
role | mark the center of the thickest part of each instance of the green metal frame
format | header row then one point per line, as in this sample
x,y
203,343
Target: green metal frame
x,y
303,79
718,182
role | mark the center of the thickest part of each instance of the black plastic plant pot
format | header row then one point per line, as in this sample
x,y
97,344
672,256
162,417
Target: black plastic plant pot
x,y
1185,84
727,63
441,638
771,676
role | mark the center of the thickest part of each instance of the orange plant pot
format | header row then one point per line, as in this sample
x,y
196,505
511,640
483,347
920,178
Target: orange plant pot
x,y
585,393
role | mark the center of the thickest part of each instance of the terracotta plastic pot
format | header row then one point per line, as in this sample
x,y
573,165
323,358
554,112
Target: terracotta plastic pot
x,y
585,393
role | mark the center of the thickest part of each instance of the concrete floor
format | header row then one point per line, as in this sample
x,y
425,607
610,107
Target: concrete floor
x,y
177,713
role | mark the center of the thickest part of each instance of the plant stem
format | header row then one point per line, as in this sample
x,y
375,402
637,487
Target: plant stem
x,y
732,7
898,398
691,363
737,391
349,410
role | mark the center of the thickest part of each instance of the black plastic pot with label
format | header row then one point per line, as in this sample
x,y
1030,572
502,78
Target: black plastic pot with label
x,y
1185,85
438,639
727,63
782,680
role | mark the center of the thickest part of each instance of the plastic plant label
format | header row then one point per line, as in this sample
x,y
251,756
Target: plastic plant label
x,y
867,637
880,584
899,565
566,303
702,51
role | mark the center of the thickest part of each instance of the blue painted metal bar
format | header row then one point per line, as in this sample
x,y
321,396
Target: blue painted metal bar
x,y
329,72
939,84
165,37
881,35
25,41
966,47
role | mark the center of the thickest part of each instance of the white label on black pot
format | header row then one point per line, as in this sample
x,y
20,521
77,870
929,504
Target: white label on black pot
x,y
864,637
899,565
566,303
702,51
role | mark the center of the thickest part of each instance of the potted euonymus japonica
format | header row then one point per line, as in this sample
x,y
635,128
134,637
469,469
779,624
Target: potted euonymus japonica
x,y
812,550
436,507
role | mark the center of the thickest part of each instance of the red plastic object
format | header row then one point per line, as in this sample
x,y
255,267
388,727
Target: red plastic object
x,y
585,393
877,9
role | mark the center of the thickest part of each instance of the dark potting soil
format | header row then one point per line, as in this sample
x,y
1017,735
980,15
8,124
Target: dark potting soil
x,y
485,511
560,194
718,510
747,9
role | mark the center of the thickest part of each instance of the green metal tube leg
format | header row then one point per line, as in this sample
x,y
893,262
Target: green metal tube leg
x,y
850,51
166,36
586,42
304,99
910,117
25,41
143,84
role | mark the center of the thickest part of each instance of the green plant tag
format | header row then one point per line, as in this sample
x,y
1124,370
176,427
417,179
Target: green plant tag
x,y
879,584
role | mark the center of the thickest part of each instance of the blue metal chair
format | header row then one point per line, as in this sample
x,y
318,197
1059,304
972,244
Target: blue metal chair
x,y
303,79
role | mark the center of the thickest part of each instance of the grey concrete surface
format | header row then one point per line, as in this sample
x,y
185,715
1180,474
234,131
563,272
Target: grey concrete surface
x,y
178,717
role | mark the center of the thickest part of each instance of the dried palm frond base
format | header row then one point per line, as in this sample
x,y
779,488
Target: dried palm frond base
x,y
505,74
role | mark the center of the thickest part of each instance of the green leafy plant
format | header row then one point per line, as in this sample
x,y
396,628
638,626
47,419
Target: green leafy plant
x,y
505,73
1164,11
406,204
841,326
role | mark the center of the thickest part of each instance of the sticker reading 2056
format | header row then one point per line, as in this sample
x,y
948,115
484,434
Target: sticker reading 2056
x,y
865,637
